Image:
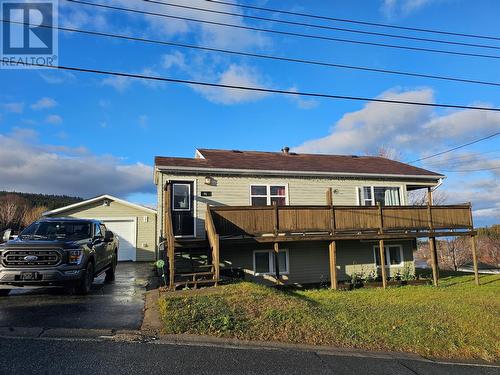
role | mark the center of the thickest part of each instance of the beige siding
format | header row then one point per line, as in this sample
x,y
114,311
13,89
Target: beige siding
x,y
235,191
145,236
309,263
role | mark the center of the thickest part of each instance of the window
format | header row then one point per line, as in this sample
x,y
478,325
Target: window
x,y
393,255
263,262
181,197
267,195
386,196
97,231
103,229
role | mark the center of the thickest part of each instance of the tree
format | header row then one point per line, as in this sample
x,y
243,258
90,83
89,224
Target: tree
x,y
32,214
488,244
454,253
419,197
12,207
389,153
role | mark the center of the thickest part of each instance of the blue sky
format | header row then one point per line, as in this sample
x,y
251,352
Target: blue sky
x,y
84,134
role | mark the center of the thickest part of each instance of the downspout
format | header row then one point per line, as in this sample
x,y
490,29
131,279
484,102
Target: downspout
x,y
440,182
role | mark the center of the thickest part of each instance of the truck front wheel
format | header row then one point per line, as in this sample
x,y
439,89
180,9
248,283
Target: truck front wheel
x,y
85,283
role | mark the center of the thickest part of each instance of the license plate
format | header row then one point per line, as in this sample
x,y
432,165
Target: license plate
x,y
28,276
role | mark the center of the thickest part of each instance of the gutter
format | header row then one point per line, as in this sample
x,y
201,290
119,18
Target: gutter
x,y
294,173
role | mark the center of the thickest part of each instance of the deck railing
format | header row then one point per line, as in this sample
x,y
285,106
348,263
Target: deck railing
x,y
255,221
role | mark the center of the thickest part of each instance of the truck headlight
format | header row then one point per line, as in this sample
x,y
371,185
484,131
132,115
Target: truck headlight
x,y
75,256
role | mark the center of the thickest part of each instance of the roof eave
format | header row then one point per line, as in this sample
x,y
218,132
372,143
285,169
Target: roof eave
x,y
163,168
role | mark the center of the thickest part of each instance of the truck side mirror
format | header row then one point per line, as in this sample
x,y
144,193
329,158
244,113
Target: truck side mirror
x,y
109,236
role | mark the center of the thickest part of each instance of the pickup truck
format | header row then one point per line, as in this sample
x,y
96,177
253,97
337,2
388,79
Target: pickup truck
x,y
64,252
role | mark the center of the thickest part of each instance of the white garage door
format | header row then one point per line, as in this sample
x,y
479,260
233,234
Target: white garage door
x,y
125,229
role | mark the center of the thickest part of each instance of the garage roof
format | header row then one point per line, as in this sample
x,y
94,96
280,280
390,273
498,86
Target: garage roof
x,y
96,199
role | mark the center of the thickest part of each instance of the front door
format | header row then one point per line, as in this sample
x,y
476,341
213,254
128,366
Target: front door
x,y
183,208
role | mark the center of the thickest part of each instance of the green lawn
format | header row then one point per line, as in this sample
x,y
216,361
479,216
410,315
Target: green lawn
x,y
456,320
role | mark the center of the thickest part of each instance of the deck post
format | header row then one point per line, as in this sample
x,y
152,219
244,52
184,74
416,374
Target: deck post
x,y
474,259
329,202
434,260
473,247
167,231
432,240
333,264
382,263
276,263
216,261
380,218
329,197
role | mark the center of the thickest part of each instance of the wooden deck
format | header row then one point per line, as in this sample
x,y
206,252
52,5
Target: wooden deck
x,y
328,222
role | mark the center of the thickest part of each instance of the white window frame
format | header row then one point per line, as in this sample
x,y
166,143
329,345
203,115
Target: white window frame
x,y
402,201
174,184
268,192
272,269
388,256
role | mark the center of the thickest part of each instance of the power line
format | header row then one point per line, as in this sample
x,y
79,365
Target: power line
x,y
288,33
323,27
262,56
259,89
470,170
347,20
460,160
455,148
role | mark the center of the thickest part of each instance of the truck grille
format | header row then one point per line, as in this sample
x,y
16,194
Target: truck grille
x,y
30,258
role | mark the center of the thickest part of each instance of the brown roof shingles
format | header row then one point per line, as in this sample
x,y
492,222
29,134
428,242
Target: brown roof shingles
x,y
281,162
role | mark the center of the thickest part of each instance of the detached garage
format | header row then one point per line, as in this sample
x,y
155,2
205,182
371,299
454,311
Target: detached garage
x,y
134,225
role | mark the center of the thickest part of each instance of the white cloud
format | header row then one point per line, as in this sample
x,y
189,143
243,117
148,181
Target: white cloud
x,y
303,102
364,131
14,107
44,103
235,75
122,83
175,59
58,77
54,119
421,131
403,8
28,166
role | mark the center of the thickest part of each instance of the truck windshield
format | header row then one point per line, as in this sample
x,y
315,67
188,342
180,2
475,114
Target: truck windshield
x,y
57,229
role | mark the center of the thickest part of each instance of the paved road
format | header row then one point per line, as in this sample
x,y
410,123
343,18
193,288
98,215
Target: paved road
x,y
49,356
116,305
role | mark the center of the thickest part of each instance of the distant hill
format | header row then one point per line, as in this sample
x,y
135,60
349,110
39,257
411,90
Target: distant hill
x,y
50,201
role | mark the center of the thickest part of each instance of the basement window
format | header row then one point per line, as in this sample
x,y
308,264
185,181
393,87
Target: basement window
x,y
393,255
263,262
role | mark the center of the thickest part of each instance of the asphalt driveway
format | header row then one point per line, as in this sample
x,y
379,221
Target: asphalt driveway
x,y
116,305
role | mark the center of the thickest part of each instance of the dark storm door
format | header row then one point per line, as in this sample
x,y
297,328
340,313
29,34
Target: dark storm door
x,y
183,208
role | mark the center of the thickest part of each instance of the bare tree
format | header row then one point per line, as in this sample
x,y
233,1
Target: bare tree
x,y
389,153
32,214
12,207
419,197
454,253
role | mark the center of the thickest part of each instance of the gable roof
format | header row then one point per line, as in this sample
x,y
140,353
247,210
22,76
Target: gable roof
x,y
292,163
96,199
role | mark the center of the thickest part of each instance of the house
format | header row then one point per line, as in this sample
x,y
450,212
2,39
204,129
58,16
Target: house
x,y
288,218
134,225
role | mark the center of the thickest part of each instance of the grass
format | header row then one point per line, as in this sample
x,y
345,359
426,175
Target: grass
x,y
456,320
